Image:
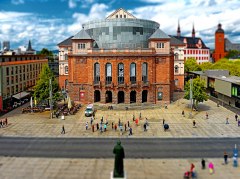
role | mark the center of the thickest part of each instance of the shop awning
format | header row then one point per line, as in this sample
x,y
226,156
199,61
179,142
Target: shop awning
x,y
21,95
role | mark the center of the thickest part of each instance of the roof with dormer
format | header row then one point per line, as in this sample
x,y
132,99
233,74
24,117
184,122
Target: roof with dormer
x,y
82,35
159,34
175,42
120,10
192,42
66,42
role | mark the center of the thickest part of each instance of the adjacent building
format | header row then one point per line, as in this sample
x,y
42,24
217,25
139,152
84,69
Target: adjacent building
x,y
17,74
222,44
222,86
194,47
120,59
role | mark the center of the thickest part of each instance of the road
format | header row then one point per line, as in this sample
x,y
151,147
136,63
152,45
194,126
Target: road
x,y
102,147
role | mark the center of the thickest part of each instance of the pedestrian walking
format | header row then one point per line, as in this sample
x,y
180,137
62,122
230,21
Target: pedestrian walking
x,y
115,127
140,116
146,121
119,122
145,127
194,123
165,105
128,124
238,122
6,121
112,125
101,128
227,122
133,117
130,131
97,126
163,122
206,115
105,127
236,117
86,125
211,168
92,128
102,120
203,164
125,127
63,130
191,169
225,156
91,121
183,113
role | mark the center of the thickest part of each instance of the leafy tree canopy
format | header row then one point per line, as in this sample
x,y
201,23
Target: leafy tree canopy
x,y
45,51
232,53
41,90
198,91
191,65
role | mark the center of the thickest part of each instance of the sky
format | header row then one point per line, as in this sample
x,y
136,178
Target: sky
x,y
48,22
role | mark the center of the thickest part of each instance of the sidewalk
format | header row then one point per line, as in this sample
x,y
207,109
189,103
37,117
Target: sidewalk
x,y
39,124
38,168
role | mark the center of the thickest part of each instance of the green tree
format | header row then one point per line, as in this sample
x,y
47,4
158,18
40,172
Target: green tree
x,y
206,66
232,53
48,53
191,65
41,90
198,91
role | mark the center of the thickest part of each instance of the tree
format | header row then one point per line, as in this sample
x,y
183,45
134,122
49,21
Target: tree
x,y
41,90
198,91
232,54
191,65
45,51
48,53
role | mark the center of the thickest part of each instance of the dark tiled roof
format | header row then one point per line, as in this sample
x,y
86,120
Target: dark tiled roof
x,y
192,41
174,41
82,35
159,34
66,42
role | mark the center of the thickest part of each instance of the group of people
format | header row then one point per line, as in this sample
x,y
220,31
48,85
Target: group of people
x,y
3,122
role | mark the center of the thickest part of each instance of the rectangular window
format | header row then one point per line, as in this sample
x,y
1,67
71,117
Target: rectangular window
x,y
81,46
160,45
7,71
160,96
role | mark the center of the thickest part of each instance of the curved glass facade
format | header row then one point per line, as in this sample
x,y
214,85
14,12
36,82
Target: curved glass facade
x,y
121,33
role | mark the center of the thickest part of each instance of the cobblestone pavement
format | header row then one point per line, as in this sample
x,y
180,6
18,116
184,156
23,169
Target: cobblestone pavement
x,y
40,124
28,168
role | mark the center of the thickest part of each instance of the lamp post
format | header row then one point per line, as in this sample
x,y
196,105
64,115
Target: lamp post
x,y
191,98
50,96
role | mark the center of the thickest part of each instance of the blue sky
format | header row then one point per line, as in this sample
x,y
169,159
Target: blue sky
x,y
48,22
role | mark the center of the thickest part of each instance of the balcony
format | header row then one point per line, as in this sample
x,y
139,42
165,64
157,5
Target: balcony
x,y
145,84
109,84
96,83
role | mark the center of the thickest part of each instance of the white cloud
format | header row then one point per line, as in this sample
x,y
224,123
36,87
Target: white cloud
x,y
82,3
17,2
205,14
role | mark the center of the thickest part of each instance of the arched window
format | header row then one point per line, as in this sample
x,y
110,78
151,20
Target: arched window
x,y
120,73
133,73
176,69
108,72
176,56
66,69
66,57
144,72
96,73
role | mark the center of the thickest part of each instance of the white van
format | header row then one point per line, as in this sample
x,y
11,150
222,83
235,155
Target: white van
x,y
89,110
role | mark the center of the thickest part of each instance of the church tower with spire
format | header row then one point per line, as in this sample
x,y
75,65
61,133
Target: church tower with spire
x,y
178,30
193,32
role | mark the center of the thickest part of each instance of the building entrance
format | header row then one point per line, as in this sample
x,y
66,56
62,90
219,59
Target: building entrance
x,y
144,96
133,97
97,96
108,96
120,97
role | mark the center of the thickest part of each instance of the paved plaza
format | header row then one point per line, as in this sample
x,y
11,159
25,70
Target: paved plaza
x,y
40,125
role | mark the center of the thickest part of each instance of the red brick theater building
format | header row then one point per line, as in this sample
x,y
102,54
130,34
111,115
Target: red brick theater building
x,y
121,59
